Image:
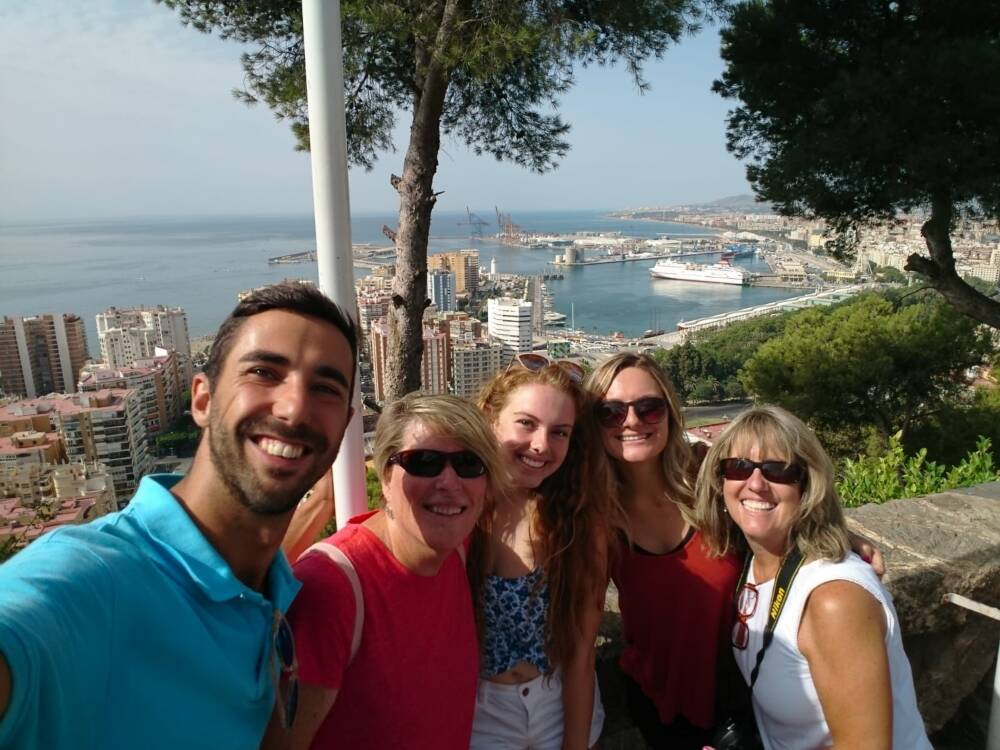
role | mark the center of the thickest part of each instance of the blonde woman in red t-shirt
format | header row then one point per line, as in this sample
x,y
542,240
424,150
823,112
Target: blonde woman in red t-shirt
x,y
404,674
539,568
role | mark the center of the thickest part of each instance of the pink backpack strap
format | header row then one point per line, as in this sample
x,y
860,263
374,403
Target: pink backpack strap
x,y
342,561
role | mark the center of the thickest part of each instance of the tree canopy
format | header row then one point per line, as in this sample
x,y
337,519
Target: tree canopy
x,y
488,72
868,362
858,111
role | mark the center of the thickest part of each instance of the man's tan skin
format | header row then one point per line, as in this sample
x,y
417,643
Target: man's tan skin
x,y
284,388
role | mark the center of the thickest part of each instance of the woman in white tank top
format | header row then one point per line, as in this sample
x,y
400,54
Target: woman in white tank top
x,y
832,673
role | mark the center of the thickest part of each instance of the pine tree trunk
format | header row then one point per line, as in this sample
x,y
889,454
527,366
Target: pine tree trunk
x,y
939,269
416,201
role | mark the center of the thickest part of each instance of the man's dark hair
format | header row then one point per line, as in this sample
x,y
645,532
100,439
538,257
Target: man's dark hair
x,y
303,299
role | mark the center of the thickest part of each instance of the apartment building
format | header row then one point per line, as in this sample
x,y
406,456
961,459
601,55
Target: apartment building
x,y
509,321
157,381
106,426
441,289
463,263
433,361
33,484
41,354
128,334
473,363
31,447
37,499
372,306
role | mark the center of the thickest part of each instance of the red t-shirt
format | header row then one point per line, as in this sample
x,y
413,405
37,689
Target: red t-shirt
x,y
413,681
677,611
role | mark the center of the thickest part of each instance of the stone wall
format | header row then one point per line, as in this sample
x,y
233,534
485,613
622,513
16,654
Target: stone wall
x,y
949,542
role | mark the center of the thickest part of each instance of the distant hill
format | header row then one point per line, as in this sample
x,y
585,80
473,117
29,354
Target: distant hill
x,y
745,202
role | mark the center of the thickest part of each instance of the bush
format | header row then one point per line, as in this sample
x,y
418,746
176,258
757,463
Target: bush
x,y
876,479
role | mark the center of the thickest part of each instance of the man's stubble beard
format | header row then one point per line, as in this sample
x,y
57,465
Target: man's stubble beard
x,y
233,468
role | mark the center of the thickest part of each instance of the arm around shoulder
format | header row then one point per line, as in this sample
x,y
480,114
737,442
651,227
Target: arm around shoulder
x,y
842,636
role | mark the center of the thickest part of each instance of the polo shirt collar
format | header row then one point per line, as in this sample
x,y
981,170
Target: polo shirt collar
x,y
180,546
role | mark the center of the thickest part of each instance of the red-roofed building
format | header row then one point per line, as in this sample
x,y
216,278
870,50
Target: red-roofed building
x,y
106,427
157,381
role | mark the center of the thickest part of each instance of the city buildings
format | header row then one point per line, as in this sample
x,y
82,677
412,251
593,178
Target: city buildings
x,y
433,361
128,334
31,447
509,321
473,363
463,263
41,354
37,498
106,427
441,289
157,382
372,306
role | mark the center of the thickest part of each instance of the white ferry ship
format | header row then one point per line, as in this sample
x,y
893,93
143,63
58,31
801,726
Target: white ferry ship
x,y
718,273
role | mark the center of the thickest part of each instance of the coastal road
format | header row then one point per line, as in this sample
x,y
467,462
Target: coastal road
x,y
716,411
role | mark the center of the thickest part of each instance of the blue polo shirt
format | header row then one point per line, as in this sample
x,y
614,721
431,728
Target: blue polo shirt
x,y
132,632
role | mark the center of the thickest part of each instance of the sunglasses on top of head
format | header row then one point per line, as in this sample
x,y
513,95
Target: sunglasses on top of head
x,y
649,410
538,362
429,463
779,472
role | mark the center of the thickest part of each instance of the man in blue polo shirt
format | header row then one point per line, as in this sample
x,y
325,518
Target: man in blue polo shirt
x,y
162,626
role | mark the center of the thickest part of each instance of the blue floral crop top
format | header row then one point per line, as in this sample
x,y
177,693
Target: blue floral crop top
x,y
514,612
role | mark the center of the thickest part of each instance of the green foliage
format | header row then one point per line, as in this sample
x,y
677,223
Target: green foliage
x,y
857,112
8,547
893,474
950,432
178,442
374,489
867,362
705,367
504,64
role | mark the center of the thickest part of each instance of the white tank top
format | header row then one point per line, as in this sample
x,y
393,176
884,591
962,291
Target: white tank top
x,y
785,703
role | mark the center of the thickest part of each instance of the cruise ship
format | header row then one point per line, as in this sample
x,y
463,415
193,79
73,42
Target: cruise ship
x,y
718,273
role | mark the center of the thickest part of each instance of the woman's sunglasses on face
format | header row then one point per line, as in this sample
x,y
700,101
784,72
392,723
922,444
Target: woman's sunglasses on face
x,y
649,410
429,463
779,472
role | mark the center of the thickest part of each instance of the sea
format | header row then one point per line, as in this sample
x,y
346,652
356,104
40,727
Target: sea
x,y
201,264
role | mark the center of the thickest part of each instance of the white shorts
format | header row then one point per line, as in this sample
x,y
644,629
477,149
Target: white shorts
x,y
528,716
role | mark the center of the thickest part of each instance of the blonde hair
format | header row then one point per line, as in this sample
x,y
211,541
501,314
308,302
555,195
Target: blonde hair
x,y
677,459
445,416
572,520
819,529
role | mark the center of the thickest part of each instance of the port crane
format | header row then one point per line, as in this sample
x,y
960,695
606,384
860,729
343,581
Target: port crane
x,y
474,223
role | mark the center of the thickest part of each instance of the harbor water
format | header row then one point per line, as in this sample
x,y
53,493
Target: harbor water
x,y
202,264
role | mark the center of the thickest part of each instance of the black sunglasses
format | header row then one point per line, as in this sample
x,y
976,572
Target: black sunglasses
x,y
430,463
779,472
284,670
649,410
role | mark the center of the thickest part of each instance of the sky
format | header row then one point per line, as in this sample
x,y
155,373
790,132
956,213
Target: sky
x,y
113,109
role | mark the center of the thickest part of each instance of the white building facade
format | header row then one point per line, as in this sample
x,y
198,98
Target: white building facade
x,y
510,323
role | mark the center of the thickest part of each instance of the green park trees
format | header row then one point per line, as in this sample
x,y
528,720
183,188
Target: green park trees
x,y
487,72
856,111
868,364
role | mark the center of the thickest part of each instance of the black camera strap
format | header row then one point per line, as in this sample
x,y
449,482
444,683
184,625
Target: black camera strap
x,y
790,565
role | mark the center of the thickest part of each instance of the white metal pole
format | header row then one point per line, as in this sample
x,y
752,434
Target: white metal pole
x,y
332,208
